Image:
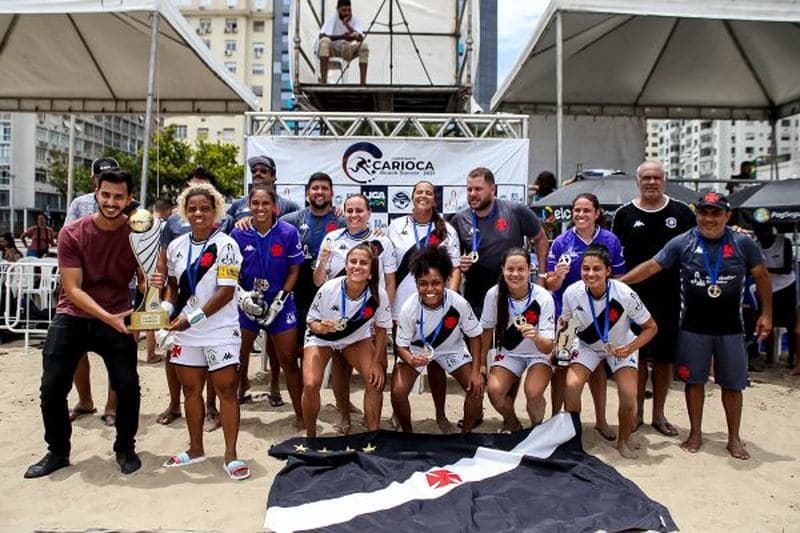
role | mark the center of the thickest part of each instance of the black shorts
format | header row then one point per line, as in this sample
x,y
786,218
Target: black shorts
x,y
663,347
784,308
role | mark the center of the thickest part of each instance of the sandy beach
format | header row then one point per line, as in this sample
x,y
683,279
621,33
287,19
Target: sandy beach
x,y
708,491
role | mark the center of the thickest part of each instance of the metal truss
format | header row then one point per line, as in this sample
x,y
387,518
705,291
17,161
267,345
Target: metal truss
x,y
393,125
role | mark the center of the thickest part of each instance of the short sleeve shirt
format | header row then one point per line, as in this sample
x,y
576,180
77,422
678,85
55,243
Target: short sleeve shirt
x,y
240,208
506,226
573,246
268,257
212,263
342,242
700,312
444,328
624,307
404,241
539,312
106,261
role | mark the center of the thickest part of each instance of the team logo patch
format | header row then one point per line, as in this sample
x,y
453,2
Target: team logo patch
x,y
206,259
727,250
499,357
276,250
501,224
441,478
683,372
671,222
176,351
450,322
331,226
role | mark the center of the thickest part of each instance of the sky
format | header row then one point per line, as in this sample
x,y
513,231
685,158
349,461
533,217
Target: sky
x,y
515,22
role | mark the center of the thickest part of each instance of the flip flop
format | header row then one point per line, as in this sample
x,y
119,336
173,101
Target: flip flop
x,y
167,417
275,399
237,470
77,412
182,459
109,419
245,398
665,428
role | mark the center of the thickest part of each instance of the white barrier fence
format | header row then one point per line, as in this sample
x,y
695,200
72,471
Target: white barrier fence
x,y
28,295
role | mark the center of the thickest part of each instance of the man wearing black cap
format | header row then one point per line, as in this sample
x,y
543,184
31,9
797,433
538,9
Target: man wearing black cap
x,y
264,171
341,36
713,261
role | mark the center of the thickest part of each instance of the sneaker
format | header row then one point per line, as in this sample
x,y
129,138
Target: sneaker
x,y
128,462
49,464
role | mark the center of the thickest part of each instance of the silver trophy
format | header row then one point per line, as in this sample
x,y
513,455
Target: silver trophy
x,y
145,239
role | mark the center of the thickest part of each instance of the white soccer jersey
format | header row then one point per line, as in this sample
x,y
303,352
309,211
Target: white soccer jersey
x,y
539,312
327,305
625,306
341,242
401,233
455,317
214,263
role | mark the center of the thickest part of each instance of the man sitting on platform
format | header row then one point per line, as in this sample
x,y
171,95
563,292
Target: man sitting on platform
x,y
341,36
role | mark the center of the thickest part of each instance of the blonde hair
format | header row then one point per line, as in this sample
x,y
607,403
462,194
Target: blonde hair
x,y
202,189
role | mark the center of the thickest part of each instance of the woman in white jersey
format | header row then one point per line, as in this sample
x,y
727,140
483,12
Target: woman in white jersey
x,y
203,270
601,310
430,330
348,320
520,316
409,235
331,264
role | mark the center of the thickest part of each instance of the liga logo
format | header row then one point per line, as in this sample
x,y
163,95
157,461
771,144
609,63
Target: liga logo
x,y
362,162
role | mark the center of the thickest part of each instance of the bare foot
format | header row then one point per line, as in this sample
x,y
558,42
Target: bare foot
x,y
605,431
212,421
299,425
737,450
395,422
512,425
168,416
692,444
626,451
445,426
639,423
343,427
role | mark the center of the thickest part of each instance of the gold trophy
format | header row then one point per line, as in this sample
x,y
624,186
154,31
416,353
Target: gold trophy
x,y
145,239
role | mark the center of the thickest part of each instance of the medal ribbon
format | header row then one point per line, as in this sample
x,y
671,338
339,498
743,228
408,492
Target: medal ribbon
x,y
713,274
416,235
313,238
435,332
192,269
604,334
344,302
264,264
513,308
476,236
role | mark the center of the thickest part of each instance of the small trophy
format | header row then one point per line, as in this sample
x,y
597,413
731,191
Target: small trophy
x,y
565,337
145,239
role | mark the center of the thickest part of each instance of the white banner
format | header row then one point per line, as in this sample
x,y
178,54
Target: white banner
x,y
385,170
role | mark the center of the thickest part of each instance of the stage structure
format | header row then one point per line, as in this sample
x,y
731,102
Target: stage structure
x,y
422,56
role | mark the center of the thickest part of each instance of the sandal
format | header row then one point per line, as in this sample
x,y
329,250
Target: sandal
x,y
237,470
182,459
168,417
77,412
275,399
665,428
109,418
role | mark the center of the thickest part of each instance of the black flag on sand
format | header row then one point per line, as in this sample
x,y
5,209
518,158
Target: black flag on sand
x,y
535,480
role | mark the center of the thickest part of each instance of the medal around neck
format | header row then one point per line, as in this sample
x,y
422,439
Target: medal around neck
x,y
428,352
474,256
520,321
565,260
714,291
145,240
341,324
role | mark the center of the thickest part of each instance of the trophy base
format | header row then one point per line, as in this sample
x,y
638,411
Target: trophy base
x,y
149,320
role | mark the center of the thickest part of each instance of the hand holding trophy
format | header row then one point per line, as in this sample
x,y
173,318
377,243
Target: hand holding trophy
x,y
145,239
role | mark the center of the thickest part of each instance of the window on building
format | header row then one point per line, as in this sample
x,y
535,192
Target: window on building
x,y
202,134
749,135
41,154
786,123
258,69
231,66
5,153
180,131
47,200
258,49
258,26
207,42
259,5
749,150
258,90
231,26
230,47
40,175
204,27
228,134
5,132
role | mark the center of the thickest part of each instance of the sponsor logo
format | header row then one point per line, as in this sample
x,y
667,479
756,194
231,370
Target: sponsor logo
x,y
640,224
671,222
362,162
401,200
249,248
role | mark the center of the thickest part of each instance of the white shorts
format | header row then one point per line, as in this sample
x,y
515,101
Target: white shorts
x,y
518,364
450,362
313,340
213,357
591,359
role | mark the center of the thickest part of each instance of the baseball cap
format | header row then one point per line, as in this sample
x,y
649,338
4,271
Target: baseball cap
x,y
713,199
102,164
261,160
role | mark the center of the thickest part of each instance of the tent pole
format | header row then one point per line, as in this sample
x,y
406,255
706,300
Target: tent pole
x,y
71,160
148,114
559,100
773,169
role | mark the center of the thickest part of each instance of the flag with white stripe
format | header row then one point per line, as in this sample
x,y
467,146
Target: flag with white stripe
x,y
540,479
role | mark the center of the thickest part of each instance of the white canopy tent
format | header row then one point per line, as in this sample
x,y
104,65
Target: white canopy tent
x,y
716,59
99,56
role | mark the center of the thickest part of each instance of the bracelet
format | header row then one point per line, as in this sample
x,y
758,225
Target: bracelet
x,y
168,307
196,317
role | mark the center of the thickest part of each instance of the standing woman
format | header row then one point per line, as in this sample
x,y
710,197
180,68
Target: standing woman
x,y
41,235
563,269
346,314
203,269
430,330
331,264
605,309
410,235
271,258
521,317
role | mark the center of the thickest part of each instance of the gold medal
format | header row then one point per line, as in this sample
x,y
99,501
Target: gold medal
x,y
341,324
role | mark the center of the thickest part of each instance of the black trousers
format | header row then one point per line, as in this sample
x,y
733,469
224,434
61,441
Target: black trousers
x,y
68,338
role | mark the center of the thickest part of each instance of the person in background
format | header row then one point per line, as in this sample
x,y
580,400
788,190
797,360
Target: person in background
x,y
263,170
544,184
746,173
41,236
9,248
342,36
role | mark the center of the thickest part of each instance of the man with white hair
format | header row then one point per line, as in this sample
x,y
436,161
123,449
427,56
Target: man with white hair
x,y
644,226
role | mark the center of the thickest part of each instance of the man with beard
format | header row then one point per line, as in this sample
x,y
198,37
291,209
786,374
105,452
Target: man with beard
x,y
643,227
263,170
313,223
96,264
